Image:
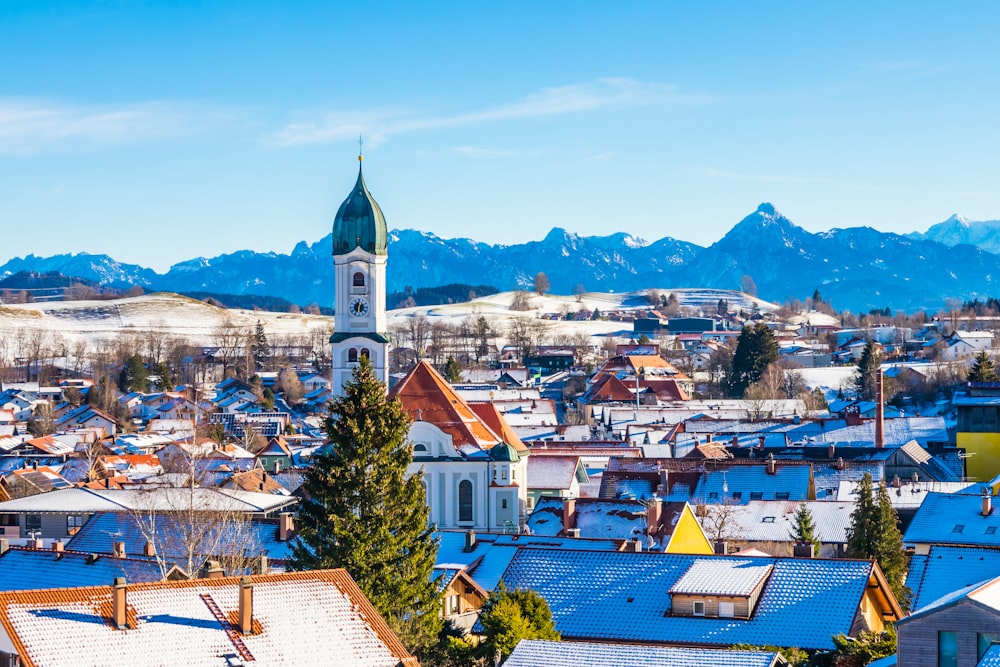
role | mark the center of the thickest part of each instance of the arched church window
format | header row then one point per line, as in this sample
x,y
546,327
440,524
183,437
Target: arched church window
x,y
352,356
364,353
359,279
465,500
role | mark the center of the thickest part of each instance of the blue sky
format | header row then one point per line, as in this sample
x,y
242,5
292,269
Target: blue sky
x,y
157,132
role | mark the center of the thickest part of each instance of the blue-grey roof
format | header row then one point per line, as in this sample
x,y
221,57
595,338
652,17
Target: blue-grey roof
x,y
748,481
945,518
991,658
946,569
97,535
29,569
622,596
539,653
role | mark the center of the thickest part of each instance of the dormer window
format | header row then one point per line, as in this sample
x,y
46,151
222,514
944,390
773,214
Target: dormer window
x,y
719,589
698,608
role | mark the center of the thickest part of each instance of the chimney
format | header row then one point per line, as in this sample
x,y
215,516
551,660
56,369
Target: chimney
x,y
803,550
148,550
840,463
213,570
654,510
772,465
277,466
58,547
36,543
262,565
246,606
4,546
664,486
735,442
760,442
286,526
831,450
708,438
879,412
118,550
118,615
569,515
896,482
721,547
634,545
470,541
987,502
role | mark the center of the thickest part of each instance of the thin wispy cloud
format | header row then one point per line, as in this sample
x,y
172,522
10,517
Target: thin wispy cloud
x,y
378,125
33,126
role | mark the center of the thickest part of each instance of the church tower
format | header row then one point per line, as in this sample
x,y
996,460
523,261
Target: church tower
x,y
360,250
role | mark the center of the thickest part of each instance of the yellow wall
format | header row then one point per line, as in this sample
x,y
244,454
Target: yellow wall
x,y
688,537
983,450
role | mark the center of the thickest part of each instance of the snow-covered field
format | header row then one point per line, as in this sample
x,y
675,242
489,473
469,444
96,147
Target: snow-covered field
x,y
172,314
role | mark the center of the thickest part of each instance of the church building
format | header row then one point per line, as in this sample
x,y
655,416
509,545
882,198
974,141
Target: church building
x,y
475,467
360,250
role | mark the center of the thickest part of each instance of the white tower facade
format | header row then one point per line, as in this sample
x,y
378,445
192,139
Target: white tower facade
x,y
360,252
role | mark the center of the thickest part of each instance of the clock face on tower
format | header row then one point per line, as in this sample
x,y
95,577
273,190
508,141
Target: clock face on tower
x,y
358,307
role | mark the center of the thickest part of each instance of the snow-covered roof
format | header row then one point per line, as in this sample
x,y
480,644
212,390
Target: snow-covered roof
x,y
190,623
540,653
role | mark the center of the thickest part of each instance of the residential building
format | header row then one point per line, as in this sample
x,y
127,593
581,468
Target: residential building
x,y
541,653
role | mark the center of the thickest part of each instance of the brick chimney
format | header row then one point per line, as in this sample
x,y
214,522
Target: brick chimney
x,y
286,526
246,606
118,550
118,603
879,412
569,515
36,543
148,550
987,500
58,547
4,546
654,512
213,570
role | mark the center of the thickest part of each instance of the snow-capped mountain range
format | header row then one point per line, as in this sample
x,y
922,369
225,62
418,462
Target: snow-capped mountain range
x,y
856,268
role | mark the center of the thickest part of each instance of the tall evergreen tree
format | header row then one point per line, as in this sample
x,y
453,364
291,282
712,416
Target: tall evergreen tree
x,y
869,366
133,376
259,348
983,369
803,528
874,533
364,514
756,348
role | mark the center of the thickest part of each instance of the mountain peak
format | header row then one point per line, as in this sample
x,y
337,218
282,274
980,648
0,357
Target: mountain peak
x,y
767,208
958,219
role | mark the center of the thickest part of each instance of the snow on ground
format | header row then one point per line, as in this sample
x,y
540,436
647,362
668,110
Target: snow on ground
x,y
167,313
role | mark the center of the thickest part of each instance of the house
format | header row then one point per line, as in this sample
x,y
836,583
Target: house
x,y
559,476
957,629
954,519
704,601
228,620
978,429
965,344
475,468
24,569
633,524
541,653
461,596
87,416
276,455
767,525
945,569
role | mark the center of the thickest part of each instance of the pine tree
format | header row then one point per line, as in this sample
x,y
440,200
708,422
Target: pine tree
x,y
259,349
133,376
804,529
364,514
983,369
874,534
452,371
756,348
869,366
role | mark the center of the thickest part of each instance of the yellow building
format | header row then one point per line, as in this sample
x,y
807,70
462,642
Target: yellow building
x,y
978,430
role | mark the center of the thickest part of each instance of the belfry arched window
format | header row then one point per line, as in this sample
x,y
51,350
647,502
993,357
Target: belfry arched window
x,y
364,353
359,279
465,500
352,355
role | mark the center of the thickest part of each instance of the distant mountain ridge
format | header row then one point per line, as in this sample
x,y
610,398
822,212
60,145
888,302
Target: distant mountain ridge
x,y
857,268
